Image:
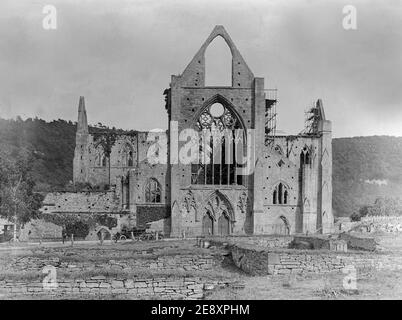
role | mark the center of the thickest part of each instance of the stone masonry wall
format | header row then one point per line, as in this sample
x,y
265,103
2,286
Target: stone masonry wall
x,y
260,240
372,224
381,223
359,242
82,202
161,263
265,262
153,287
144,284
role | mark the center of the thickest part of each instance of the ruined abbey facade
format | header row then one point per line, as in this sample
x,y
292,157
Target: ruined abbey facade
x,y
287,190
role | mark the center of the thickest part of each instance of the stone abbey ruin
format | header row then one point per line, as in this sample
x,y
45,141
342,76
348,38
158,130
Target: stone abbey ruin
x,y
287,191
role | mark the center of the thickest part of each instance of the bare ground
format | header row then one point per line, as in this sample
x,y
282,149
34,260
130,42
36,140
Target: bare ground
x,y
370,284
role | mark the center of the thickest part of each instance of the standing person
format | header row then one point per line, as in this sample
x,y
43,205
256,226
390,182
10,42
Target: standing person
x,y
64,234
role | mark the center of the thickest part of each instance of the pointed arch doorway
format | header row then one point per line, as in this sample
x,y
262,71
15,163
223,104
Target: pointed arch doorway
x,y
207,224
218,218
223,225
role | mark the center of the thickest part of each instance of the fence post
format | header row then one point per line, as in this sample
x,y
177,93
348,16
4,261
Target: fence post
x,y
72,239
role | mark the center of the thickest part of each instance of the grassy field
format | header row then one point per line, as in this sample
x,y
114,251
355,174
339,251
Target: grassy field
x,y
373,285
370,284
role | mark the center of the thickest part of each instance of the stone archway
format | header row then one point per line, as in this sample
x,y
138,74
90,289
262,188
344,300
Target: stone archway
x,y
282,226
218,218
207,224
103,233
223,225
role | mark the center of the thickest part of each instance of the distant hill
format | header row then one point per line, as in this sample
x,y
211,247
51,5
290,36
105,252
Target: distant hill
x,y
52,144
364,168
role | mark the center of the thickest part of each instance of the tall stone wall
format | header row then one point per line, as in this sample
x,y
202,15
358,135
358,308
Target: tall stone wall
x,y
81,202
281,164
189,97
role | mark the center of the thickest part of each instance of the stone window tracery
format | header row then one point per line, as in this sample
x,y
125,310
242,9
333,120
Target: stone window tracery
x,y
100,159
305,157
218,145
153,191
280,194
128,155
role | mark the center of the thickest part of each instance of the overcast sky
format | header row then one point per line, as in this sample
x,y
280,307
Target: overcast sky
x,y
120,55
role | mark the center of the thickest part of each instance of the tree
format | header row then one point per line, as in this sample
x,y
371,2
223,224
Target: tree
x,y
355,217
18,202
364,211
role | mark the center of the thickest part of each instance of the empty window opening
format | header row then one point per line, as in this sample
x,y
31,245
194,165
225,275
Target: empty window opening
x,y
152,191
305,157
218,63
221,145
280,194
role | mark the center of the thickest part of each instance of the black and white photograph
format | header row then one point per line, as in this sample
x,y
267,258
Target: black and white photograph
x,y
217,152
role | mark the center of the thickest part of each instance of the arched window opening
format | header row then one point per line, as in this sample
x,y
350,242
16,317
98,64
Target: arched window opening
x,y
103,160
130,159
305,157
100,158
280,194
221,145
224,225
218,63
152,191
127,155
207,224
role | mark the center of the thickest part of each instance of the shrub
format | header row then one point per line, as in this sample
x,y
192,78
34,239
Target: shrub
x,y
79,229
355,216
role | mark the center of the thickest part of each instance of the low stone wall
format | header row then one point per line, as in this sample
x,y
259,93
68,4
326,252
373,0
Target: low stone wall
x,y
262,241
382,223
257,261
200,262
39,229
359,242
318,243
151,288
371,224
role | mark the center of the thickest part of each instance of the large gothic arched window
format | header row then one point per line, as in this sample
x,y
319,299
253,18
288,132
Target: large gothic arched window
x,y
153,191
221,144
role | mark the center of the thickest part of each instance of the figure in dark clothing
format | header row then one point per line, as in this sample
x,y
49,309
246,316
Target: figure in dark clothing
x,y
64,234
